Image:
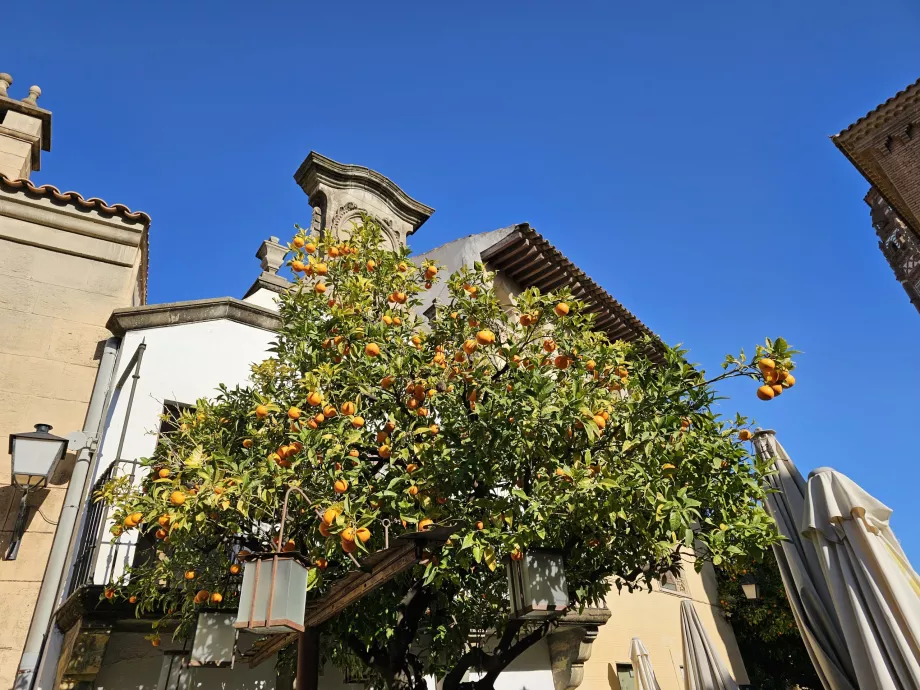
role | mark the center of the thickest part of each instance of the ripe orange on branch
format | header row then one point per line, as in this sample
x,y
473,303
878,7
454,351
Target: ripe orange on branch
x,y
485,337
766,365
766,393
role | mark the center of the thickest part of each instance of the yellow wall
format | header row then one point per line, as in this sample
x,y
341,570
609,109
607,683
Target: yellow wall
x,y
654,617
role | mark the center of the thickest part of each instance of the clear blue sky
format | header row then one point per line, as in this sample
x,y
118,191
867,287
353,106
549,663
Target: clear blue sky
x,y
677,152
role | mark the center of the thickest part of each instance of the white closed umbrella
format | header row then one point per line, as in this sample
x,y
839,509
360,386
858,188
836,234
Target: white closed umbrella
x,y
642,666
874,590
703,667
800,569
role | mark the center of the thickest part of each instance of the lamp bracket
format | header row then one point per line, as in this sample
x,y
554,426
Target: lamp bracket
x,y
78,440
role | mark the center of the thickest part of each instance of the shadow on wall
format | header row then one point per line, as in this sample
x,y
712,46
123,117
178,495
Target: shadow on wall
x,y
613,680
11,495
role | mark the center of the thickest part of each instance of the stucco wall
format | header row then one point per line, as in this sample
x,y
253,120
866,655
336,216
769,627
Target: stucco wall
x,y
58,285
181,364
654,617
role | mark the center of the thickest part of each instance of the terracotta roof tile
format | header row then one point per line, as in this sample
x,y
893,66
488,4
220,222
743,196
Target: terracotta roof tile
x,y
76,199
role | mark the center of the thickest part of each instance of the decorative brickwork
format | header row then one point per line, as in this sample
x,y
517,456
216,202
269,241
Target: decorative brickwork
x,y
885,147
898,242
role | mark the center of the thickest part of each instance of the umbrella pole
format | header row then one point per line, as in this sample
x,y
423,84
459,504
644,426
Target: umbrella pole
x,y
308,660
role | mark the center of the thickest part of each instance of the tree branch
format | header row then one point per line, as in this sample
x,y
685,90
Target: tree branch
x,y
373,658
411,609
497,663
472,656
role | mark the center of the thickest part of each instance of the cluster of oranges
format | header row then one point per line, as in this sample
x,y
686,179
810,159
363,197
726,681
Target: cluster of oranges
x,y
348,537
776,379
311,266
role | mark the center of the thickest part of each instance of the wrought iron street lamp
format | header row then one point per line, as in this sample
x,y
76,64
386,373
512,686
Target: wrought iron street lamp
x,y
750,586
35,455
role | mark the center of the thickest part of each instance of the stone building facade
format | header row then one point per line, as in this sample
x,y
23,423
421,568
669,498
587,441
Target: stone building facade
x,y
884,146
65,263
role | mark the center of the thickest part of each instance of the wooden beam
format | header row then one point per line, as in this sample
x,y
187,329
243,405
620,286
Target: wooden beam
x,y
402,559
267,647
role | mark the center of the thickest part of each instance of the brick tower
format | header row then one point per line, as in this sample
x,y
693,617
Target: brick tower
x,y
884,146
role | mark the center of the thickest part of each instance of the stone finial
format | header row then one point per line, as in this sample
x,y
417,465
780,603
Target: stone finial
x,y
32,98
271,254
6,81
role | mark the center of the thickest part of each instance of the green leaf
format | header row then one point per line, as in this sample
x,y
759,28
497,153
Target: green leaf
x,y
489,555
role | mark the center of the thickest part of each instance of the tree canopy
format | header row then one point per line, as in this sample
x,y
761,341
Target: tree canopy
x,y
768,637
518,424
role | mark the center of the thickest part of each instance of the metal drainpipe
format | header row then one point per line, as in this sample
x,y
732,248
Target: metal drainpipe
x,y
70,514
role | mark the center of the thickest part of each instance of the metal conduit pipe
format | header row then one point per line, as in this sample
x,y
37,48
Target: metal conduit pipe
x,y
58,558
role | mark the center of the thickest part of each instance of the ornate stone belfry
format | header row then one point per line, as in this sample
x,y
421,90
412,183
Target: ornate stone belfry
x,y
340,193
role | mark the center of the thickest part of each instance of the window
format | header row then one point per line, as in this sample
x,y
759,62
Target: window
x,y
670,582
895,241
626,677
354,678
169,421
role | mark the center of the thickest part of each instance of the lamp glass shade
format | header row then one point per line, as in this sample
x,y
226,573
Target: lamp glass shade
x,y
214,640
273,596
751,590
537,585
35,454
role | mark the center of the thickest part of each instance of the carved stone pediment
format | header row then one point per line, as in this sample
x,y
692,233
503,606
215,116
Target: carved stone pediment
x,y
340,193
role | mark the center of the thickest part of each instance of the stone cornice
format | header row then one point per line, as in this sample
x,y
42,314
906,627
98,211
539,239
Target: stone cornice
x,y
36,217
870,124
316,168
864,141
7,103
195,311
269,281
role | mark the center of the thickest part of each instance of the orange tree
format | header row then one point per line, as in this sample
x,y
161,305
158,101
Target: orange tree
x,y
519,425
